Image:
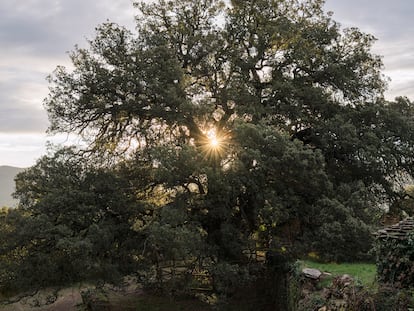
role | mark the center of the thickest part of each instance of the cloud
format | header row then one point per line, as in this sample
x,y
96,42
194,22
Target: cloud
x,y
21,150
35,36
391,23
21,96
385,19
24,149
49,27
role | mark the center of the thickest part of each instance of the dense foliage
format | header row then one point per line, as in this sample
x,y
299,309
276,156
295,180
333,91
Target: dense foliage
x,y
73,223
213,130
395,261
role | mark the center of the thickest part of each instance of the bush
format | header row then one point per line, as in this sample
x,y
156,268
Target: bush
x,y
395,263
391,299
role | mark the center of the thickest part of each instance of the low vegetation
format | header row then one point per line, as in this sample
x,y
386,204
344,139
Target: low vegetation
x,y
363,273
350,287
395,260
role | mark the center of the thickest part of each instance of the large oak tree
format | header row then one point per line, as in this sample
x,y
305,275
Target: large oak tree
x,y
240,124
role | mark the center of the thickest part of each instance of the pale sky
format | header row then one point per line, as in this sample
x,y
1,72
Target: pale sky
x,y
35,36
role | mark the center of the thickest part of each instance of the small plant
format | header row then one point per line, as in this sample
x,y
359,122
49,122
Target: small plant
x,y
313,302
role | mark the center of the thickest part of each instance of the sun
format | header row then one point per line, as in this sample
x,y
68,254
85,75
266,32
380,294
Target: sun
x,y
214,144
214,141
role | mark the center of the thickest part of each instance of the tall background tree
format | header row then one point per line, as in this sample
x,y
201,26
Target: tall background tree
x,y
235,126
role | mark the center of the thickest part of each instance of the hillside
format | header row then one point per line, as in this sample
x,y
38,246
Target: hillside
x,y
7,174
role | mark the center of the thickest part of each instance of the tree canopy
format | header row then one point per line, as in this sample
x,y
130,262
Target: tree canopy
x,y
220,127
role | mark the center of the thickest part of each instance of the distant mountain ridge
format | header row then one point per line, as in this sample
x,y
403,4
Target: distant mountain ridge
x,y
7,185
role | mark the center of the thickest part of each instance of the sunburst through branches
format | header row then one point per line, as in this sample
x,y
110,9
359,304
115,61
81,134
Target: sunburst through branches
x,y
214,144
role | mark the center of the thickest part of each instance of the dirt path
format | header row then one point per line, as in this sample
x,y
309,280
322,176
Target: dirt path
x,y
68,299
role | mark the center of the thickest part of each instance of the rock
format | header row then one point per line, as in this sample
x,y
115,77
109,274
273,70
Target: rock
x,y
325,275
346,280
313,274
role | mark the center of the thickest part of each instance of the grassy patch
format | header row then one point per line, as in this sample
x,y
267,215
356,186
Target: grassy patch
x,y
363,272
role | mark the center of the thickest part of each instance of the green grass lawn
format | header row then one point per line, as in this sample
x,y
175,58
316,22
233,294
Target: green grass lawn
x,y
363,272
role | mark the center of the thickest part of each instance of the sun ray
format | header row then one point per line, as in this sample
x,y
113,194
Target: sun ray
x,y
214,144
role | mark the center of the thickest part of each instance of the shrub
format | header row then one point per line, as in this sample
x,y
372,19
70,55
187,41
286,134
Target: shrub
x,y
391,299
395,263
